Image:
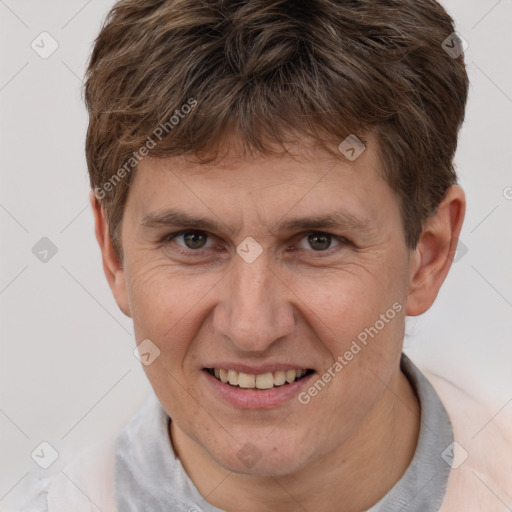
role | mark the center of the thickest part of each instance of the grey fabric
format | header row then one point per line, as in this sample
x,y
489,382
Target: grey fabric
x,y
149,477
423,485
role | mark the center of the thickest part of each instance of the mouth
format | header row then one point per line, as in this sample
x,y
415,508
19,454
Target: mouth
x,y
256,382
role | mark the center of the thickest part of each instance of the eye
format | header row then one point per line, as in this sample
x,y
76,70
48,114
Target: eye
x,y
194,241
191,240
319,241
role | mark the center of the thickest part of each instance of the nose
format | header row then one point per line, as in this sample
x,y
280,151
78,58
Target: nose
x,y
255,309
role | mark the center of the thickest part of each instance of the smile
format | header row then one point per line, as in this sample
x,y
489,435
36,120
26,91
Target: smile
x,y
261,381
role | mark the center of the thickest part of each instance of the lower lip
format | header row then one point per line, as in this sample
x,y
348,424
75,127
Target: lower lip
x,y
252,399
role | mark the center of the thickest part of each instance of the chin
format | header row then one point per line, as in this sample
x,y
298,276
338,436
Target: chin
x,y
260,456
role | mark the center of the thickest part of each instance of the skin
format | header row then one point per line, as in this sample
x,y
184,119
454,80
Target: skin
x,y
353,441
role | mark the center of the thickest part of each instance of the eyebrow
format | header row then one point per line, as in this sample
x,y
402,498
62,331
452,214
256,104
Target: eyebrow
x,y
338,219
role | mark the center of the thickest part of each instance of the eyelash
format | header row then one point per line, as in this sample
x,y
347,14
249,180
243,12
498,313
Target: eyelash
x,y
190,252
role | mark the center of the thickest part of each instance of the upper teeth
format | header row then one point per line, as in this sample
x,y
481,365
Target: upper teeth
x,y
261,381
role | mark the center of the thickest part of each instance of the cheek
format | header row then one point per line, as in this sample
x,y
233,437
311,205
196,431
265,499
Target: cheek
x,y
167,308
360,320
166,305
347,306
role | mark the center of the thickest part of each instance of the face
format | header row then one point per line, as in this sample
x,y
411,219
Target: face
x,y
298,262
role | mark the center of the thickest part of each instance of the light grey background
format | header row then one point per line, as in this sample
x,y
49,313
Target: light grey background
x,y
67,372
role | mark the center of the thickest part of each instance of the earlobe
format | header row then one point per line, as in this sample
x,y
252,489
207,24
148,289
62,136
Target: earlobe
x,y
434,253
112,266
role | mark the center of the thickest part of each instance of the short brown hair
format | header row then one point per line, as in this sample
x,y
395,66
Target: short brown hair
x,y
321,69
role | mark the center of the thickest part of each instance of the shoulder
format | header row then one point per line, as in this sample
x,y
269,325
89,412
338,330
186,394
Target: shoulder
x,y
473,418
481,458
30,494
85,484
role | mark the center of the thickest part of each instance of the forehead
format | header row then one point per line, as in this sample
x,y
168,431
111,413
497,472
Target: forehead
x,y
295,162
262,187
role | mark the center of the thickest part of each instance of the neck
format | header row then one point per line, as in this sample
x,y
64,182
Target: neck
x,y
357,474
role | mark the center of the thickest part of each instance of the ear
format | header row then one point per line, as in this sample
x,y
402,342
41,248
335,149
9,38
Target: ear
x,y
433,256
112,267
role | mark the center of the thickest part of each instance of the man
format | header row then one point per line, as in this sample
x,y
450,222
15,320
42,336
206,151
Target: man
x,y
274,192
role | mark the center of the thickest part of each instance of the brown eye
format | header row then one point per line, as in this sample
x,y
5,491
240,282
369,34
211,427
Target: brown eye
x,y
194,239
318,242
190,239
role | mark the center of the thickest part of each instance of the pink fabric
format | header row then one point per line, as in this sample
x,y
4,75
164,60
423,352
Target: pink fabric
x,y
482,483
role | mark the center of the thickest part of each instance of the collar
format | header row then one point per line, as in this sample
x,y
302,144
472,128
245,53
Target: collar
x,y
424,483
149,476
